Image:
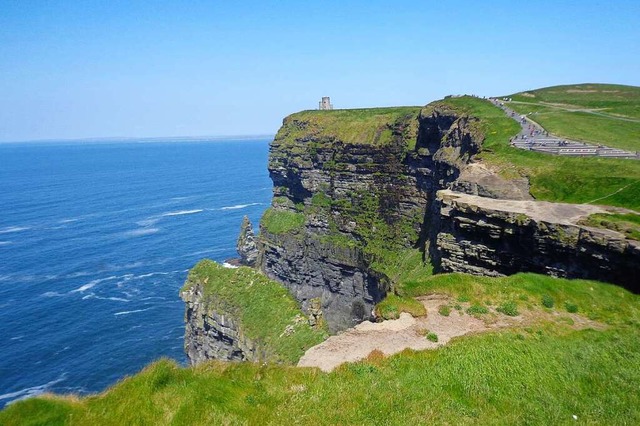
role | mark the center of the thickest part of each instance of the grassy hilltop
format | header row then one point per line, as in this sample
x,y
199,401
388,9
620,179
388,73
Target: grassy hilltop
x,y
576,355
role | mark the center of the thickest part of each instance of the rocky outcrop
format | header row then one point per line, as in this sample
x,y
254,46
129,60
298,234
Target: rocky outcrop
x,y
211,333
501,237
246,244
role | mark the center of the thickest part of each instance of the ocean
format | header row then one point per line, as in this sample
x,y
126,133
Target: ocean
x,y
96,240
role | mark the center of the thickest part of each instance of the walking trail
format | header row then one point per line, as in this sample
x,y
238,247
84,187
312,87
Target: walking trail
x,y
534,137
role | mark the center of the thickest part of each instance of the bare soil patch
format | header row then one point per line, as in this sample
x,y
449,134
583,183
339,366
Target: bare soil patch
x,y
407,332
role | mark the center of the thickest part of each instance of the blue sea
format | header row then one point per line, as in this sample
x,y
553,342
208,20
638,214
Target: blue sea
x,y
96,240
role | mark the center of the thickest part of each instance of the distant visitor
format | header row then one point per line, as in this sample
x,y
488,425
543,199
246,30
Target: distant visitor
x,y
325,103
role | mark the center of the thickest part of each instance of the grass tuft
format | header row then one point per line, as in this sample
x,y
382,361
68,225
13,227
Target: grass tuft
x,y
281,221
393,305
444,310
509,308
547,301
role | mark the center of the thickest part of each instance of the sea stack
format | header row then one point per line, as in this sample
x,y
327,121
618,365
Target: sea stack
x,y
246,245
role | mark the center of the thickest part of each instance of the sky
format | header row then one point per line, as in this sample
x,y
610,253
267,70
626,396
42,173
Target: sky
x,y
111,68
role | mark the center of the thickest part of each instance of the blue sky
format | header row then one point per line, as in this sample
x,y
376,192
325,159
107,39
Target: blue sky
x,y
81,69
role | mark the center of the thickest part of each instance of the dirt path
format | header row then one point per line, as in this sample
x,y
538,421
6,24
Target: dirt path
x,y
394,336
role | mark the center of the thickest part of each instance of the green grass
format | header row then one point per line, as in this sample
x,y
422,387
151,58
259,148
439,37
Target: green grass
x,y
606,303
509,308
476,310
547,301
444,310
596,113
281,221
627,224
353,126
540,374
553,178
264,309
392,306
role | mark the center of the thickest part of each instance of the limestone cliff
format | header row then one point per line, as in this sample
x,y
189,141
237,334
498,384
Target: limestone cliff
x,y
212,333
354,190
362,183
501,237
238,314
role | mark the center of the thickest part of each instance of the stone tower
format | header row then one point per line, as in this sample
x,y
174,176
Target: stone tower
x,y
325,103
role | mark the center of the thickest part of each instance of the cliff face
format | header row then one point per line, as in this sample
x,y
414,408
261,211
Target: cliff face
x,y
238,314
211,333
502,237
362,201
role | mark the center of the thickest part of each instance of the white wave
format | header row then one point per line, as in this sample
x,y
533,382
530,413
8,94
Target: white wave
x,y
5,243
17,337
182,212
115,299
131,312
52,294
14,229
92,284
148,221
69,220
230,266
240,206
32,391
141,232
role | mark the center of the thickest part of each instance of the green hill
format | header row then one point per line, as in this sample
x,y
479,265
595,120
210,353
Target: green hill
x,y
605,114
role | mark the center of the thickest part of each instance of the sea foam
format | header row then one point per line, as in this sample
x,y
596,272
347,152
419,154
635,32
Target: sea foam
x,y
240,206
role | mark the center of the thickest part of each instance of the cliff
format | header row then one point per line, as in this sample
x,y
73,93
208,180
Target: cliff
x,y
365,199
240,315
502,237
354,189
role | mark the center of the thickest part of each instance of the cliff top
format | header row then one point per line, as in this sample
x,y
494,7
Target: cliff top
x,y
371,126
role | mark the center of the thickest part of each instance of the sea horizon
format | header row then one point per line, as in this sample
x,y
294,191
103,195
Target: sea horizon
x,y
135,139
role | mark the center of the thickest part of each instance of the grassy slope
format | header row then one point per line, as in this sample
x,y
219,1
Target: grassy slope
x,y
541,374
553,178
281,222
598,113
265,308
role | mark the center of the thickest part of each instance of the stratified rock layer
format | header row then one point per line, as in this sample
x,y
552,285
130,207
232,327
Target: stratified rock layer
x,y
501,237
353,189
211,333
